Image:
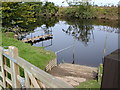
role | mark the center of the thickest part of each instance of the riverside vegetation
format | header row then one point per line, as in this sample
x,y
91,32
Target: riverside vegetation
x,y
90,12
24,15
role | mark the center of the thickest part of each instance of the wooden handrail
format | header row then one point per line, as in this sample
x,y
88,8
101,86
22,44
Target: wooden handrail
x,y
34,76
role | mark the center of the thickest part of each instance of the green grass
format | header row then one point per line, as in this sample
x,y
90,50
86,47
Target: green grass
x,y
93,83
89,84
100,73
35,55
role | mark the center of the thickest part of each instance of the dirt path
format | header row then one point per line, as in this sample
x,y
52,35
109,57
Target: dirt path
x,y
73,74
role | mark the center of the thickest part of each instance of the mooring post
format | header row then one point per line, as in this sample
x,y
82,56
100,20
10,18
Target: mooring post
x,y
111,71
13,52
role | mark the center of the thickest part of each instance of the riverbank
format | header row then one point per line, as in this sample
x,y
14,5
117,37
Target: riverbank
x,y
110,23
79,76
104,13
74,74
35,55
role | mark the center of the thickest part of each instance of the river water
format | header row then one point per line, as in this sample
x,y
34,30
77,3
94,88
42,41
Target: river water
x,y
78,41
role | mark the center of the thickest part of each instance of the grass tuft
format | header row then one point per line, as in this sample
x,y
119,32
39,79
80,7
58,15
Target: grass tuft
x,y
89,84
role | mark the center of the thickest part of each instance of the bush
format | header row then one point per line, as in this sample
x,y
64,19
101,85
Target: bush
x,y
83,10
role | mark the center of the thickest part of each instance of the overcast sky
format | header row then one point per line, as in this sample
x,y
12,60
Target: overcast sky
x,y
98,2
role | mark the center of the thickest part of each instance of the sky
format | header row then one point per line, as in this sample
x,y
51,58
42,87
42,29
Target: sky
x,y
98,2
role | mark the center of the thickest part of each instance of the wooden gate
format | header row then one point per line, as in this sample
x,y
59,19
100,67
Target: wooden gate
x,y
11,67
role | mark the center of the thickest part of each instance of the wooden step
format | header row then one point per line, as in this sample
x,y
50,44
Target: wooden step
x,y
74,74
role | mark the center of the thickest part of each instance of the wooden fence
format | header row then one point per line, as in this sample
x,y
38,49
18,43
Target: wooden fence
x,y
51,64
10,74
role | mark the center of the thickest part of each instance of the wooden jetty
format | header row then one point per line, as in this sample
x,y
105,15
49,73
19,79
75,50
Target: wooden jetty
x,y
10,64
38,37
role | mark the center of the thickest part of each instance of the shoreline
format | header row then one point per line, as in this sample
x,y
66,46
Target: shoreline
x,y
74,74
29,53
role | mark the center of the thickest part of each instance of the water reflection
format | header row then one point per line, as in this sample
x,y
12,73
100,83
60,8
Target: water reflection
x,y
79,42
80,32
22,28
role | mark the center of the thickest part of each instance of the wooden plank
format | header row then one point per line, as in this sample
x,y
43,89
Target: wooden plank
x,y
1,74
27,80
31,86
7,69
15,72
2,67
33,80
5,63
0,88
34,38
21,80
1,83
8,81
13,52
41,84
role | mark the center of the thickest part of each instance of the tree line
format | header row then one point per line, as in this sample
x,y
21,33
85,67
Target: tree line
x,y
22,14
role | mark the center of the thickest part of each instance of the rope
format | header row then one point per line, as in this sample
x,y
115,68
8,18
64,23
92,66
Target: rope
x,y
63,49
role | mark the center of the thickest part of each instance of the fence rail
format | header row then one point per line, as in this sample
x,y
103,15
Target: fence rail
x,y
10,73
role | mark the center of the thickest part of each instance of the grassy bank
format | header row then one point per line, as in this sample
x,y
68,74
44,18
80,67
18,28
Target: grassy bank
x,y
93,83
89,84
35,55
107,13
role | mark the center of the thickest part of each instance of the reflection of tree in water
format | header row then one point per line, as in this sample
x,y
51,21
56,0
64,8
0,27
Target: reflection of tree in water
x,y
83,29
46,29
23,28
80,31
109,29
48,21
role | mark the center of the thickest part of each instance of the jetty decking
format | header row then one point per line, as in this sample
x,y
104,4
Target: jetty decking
x,y
38,37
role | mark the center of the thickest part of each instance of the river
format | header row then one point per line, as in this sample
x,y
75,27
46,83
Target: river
x,y
78,41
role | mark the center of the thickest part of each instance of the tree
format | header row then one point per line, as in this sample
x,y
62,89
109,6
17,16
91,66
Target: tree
x,y
50,8
22,15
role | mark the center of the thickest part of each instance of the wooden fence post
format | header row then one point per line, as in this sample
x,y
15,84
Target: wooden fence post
x,y
13,52
111,71
2,68
27,80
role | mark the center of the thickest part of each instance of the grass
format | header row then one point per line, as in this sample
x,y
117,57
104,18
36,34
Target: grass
x,y
100,72
93,83
89,84
35,55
